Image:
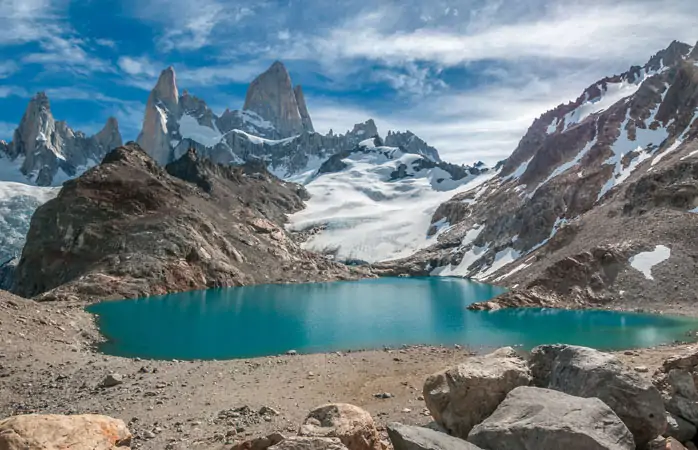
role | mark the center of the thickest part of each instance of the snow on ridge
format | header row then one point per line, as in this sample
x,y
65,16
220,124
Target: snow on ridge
x,y
645,261
519,170
646,142
190,128
677,143
613,93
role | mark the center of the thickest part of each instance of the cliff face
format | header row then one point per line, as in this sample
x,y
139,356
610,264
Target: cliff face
x,y
130,228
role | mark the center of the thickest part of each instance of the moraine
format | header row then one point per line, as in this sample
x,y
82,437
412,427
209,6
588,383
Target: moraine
x,y
263,320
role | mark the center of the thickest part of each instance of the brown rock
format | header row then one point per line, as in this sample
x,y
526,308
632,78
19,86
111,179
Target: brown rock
x,y
351,424
56,432
309,443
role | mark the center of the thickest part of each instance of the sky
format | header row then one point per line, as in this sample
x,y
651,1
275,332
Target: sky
x,y
467,76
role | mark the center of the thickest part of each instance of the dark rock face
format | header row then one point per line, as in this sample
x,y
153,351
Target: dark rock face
x,y
129,228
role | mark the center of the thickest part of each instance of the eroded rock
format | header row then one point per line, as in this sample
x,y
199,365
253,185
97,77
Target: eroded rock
x,y
351,424
405,437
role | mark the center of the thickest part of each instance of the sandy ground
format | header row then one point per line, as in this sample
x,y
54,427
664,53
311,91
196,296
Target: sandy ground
x,y
48,365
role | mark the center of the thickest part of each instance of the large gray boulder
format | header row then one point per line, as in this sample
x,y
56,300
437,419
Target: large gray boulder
x,y
542,419
460,397
405,437
679,428
681,401
585,372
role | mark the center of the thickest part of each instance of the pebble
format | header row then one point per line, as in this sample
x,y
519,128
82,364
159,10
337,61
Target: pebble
x,y
147,434
291,352
642,369
112,380
384,395
407,410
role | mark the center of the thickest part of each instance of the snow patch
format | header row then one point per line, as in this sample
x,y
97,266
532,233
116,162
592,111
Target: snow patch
x,y
690,155
553,126
564,167
190,128
501,259
673,147
369,216
613,93
646,260
519,171
694,210
368,143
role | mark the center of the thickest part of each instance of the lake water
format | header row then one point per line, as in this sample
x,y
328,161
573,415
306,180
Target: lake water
x,y
272,319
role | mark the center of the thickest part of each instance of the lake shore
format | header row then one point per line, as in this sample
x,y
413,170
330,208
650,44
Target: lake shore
x,y
48,364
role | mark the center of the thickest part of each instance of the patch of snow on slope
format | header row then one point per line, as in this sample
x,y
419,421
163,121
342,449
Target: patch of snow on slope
x,y
461,270
191,129
519,171
163,118
368,216
368,143
254,119
690,155
259,140
613,93
511,272
645,143
673,147
302,177
501,259
646,260
553,126
564,167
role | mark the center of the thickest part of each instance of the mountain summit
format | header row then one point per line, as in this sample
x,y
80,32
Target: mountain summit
x,y
272,97
46,152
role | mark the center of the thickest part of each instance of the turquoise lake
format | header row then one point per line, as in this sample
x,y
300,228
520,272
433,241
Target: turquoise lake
x,y
266,320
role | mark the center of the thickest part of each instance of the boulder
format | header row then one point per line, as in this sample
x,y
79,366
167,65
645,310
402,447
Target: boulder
x,y
585,372
309,443
111,380
679,428
350,424
679,393
406,437
463,396
56,432
260,443
543,419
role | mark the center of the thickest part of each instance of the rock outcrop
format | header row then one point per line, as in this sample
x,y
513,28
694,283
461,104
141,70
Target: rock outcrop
x,y
463,396
405,437
352,425
54,432
129,228
584,372
46,152
161,111
543,419
309,443
412,143
676,381
303,109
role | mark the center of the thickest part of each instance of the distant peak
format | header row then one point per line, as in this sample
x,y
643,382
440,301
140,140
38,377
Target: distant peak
x,y
40,99
166,88
277,66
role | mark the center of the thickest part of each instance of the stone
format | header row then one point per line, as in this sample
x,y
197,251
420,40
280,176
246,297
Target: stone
x,y
112,380
268,411
404,437
309,443
383,395
641,369
679,428
261,443
292,353
57,432
585,372
679,393
460,397
351,424
544,419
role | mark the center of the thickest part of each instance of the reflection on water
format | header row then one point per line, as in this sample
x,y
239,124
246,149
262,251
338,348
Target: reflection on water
x,y
271,319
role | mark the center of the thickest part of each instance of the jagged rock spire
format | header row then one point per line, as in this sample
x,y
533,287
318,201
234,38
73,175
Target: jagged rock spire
x,y
272,97
303,109
163,103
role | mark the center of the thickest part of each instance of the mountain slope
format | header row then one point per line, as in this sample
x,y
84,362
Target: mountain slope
x,y
559,221
376,202
130,228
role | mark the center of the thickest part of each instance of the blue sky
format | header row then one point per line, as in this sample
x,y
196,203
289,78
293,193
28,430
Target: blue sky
x,y
468,76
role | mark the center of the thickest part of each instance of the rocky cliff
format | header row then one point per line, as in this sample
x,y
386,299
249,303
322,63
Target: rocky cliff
x,y
593,187
130,228
46,152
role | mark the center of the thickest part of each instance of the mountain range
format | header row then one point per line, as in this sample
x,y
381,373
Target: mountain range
x,y
595,205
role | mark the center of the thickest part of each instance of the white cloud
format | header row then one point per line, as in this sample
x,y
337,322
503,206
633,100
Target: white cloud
x,y
138,66
106,43
13,91
7,68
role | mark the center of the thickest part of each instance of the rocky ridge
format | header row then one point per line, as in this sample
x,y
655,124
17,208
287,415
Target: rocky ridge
x,y
131,228
46,152
274,126
592,185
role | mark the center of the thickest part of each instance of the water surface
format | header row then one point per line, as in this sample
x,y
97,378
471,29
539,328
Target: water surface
x,y
271,319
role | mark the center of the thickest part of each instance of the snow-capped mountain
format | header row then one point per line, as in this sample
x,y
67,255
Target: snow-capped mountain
x,y
274,125
376,202
46,152
43,153
591,184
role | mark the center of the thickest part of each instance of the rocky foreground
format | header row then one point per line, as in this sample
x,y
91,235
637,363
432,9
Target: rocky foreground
x,y
556,397
129,228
